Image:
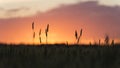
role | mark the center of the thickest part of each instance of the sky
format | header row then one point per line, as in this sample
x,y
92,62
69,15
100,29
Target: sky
x,y
30,7
96,17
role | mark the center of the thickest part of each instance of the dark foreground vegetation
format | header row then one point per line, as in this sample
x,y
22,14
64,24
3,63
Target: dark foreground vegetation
x,y
59,56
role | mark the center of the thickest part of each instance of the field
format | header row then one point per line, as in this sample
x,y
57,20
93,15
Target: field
x,y
59,56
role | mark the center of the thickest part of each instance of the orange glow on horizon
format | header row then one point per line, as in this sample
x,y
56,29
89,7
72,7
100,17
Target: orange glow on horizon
x,y
56,34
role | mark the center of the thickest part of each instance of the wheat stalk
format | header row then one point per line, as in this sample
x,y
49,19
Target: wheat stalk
x,y
46,32
40,36
33,25
33,32
106,40
78,39
76,35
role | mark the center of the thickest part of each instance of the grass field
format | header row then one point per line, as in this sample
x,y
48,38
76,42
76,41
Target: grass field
x,y
59,56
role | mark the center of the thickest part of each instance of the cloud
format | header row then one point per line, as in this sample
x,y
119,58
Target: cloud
x,y
1,8
17,10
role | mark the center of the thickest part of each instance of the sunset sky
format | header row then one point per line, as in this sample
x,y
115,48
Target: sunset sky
x,y
96,17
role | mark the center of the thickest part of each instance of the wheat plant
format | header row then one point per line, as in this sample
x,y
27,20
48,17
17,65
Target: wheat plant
x,y
78,37
107,39
46,32
33,32
40,36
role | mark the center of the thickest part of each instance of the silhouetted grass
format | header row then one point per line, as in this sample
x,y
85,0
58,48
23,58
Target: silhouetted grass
x,y
59,56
